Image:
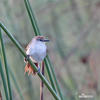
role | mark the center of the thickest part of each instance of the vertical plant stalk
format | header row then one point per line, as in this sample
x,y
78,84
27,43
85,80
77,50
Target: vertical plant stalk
x,y
32,17
54,76
4,81
50,74
0,96
41,83
16,84
6,66
37,32
31,63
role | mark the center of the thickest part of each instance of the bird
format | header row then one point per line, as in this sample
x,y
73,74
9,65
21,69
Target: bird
x,y
36,50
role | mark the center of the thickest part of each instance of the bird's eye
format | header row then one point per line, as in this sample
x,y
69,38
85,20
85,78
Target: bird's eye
x,y
39,39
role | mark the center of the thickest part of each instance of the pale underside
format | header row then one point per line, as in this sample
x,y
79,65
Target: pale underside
x,y
37,51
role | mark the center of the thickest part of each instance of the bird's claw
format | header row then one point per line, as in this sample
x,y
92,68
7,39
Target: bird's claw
x,y
38,71
26,58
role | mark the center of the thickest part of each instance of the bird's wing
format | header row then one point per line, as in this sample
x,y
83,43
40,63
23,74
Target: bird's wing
x,y
28,44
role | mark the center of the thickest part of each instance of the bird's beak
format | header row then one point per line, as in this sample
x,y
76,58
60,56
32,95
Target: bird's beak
x,y
45,40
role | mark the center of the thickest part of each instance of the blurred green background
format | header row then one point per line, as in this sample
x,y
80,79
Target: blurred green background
x,y
73,27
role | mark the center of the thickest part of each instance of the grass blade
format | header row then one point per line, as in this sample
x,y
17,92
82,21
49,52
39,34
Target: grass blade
x,y
50,75
32,64
16,84
4,81
6,66
37,32
41,83
54,76
32,17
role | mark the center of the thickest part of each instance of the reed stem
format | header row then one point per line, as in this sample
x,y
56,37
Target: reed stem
x,y
37,32
4,81
6,66
41,83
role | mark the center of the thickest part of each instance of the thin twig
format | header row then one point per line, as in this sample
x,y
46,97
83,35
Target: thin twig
x,y
41,83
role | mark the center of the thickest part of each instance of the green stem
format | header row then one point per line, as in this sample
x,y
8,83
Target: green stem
x,y
6,66
32,64
4,81
50,75
37,32
15,83
41,83
54,76
32,17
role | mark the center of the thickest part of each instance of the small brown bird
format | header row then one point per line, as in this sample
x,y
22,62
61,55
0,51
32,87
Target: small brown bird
x,y
36,51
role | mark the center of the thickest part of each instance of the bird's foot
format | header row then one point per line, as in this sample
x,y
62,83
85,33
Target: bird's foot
x,y
38,71
26,58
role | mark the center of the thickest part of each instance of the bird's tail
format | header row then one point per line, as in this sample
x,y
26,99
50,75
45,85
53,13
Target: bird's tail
x,y
30,69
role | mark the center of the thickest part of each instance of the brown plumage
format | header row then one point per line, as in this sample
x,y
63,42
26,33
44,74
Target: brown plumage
x,y
29,69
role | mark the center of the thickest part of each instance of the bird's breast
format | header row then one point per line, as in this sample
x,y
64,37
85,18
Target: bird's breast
x,y
38,52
